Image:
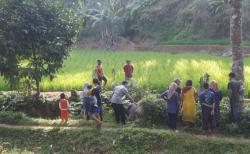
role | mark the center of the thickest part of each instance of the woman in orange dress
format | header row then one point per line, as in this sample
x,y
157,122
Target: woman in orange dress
x,y
64,108
188,109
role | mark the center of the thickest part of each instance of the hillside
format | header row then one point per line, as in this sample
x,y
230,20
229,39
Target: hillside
x,y
165,20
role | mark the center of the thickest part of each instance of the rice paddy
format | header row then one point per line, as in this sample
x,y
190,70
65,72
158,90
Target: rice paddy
x,y
154,70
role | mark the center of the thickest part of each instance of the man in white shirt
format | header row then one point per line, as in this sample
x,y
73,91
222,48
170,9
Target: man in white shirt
x,y
116,100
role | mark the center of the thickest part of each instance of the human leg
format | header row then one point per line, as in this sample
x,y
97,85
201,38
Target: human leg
x,y
116,111
122,113
172,120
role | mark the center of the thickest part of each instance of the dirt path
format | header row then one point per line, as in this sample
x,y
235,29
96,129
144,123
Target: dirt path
x,y
188,135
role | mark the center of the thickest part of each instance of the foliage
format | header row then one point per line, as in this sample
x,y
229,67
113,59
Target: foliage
x,y
175,20
36,37
17,102
153,112
120,141
13,117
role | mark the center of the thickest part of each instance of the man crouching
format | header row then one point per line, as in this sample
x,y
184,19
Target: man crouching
x,y
116,100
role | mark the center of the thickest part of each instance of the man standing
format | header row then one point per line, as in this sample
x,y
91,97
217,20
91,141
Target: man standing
x,y
128,70
97,93
116,100
100,73
234,89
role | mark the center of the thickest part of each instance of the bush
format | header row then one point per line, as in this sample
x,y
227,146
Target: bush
x,y
12,117
153,112
16,102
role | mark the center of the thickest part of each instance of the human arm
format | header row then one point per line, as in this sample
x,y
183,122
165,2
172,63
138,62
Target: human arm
x,y
60,107
68,105
229,93
164,96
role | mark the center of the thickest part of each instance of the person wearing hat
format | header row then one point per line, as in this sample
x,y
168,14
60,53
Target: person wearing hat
x,y
117,103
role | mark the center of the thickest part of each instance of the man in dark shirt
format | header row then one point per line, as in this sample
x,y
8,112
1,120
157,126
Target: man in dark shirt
x,y
234,91
128,70
207,102
97,93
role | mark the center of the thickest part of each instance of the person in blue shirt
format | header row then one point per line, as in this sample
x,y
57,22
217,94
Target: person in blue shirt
x,y
207,101
172,105
218,97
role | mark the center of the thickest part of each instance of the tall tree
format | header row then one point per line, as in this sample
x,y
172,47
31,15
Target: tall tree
x,y
236,38
35,38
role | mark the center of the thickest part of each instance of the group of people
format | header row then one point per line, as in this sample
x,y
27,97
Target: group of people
x,y
178,100
99,72
92,96
183,101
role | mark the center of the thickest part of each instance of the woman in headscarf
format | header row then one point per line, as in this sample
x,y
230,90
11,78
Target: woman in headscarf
x,y
172,104
188,109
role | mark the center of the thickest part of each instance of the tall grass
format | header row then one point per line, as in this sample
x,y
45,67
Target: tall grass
x,y
152,69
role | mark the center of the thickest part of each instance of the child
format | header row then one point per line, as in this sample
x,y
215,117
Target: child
x,y
94,109
64,108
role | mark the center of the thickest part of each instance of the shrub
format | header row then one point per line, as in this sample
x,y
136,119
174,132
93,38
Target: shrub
x,y
153,112
16,102
12,117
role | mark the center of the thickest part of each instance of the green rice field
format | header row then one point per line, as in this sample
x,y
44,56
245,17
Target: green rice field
x,y
153,70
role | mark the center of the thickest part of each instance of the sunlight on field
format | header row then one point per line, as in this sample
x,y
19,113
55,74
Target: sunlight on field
x,y
152,69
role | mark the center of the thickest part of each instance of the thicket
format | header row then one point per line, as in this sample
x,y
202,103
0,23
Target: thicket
x,y
166,19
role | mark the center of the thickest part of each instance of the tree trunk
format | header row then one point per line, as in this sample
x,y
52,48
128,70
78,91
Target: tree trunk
x,y
236,38
37,89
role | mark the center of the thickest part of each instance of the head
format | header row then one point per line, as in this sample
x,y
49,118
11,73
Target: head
x,y
214,85
89,87
128,61
62,96
85,86
96,82
177,81
231,75
189,83
172,86
205,85
99,62
125,83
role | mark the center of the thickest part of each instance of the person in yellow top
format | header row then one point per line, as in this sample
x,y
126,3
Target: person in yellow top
x,y
188,109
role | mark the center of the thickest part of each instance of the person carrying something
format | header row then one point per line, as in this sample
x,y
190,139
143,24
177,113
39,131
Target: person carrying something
x,y
116,100
128,70
172,104
100,73
207,101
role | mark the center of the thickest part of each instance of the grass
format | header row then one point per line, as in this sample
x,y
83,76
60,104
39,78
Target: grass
x,y
152,69
126,140
202,42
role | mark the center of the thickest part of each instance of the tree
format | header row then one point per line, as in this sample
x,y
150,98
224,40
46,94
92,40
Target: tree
x,y
236,38
36,37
